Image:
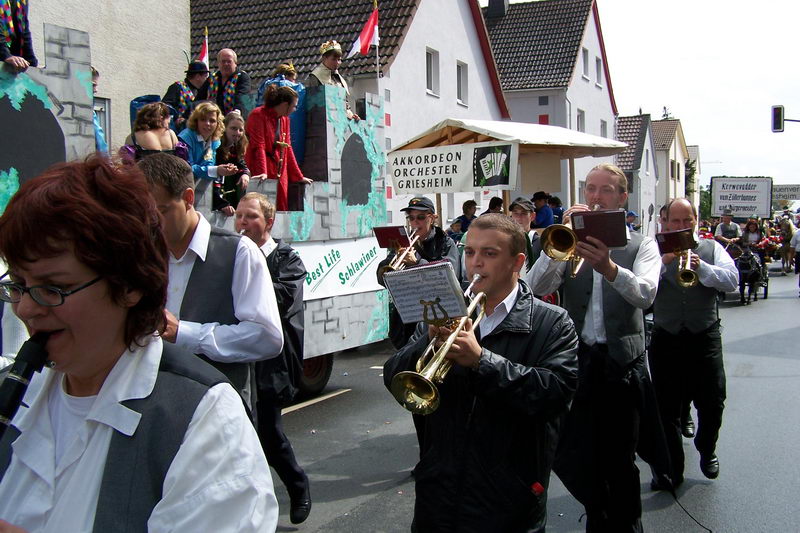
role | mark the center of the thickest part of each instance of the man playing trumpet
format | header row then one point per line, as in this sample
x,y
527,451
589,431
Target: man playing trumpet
x,y
686,347
597,456
489,447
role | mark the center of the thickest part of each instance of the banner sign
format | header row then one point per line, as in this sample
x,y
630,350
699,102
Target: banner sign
x,y
786,192
743,196
336,268
455,168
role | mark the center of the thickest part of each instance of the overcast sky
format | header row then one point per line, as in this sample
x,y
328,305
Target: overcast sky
x,y
718,66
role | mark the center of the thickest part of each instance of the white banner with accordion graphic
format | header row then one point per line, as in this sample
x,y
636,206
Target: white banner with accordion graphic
x,y
455,168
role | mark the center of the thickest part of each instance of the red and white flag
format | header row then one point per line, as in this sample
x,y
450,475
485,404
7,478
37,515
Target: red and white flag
x,y
368,36
203,56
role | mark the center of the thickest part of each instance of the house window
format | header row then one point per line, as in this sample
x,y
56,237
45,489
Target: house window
x,y
581,120
432,71
388,143
598,65
462,83
387,95
647,160
102,106
603,128
544,100
677,171
544,119
585,57
672,168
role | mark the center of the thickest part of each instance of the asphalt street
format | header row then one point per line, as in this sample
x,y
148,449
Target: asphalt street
x,y
358,446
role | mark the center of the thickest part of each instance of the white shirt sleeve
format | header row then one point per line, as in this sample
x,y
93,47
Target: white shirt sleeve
x,y
795,242
219,480
639,286
722,275
258,335
546,275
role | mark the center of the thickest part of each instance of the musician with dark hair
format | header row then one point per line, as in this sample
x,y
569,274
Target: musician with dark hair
x,y
123,431
596,458
489,447
686,346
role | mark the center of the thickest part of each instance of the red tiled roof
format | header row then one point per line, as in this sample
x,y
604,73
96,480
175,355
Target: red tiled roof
x,y
633,131
664,132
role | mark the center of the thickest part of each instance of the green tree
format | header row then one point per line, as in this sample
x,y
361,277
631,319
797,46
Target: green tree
x,y
705,202
691,170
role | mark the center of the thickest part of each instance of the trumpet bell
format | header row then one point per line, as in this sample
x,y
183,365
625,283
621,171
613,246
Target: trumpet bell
x,y
559,242
415,392
687,278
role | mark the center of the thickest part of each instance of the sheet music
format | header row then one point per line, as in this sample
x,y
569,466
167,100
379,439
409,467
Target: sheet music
x,y
433,287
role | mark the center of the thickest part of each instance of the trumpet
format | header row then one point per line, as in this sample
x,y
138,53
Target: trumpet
x,y
687,277
398,263
559,243
417,391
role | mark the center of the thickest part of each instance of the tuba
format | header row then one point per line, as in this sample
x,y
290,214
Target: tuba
x,y
398,263
559,242
417,391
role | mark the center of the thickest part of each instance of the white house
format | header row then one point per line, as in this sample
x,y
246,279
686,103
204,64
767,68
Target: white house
x,y
671,156
136,47
553,69
638,161
435,59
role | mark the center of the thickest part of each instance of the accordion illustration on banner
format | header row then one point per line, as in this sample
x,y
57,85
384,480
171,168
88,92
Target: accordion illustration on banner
x,y
490,166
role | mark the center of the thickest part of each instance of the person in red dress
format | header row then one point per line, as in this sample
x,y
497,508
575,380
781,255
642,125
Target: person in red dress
x,y
269,153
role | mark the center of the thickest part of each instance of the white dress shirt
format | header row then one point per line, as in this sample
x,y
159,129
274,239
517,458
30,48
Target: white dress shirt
x,y
218,481
500,312
638,286
258,335
722,275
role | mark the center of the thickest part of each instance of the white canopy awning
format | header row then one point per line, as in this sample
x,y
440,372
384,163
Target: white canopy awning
x,y
532,138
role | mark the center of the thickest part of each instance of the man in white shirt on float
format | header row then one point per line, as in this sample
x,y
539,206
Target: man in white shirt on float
x,y
221,303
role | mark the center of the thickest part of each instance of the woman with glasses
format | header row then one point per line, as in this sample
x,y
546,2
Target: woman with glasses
x,y
122,432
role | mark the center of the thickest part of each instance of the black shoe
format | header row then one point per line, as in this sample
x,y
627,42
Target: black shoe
x,y
662,482
710,466
300,508
688,428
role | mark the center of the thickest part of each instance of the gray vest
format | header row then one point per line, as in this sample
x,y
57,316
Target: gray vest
x,y
692,308
136,466
208,298
729,230
624,323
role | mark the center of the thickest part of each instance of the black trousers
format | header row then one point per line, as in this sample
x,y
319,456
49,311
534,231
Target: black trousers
x,y
279,451
689,365
607,404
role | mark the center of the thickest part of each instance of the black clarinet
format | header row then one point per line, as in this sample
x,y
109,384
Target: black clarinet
x,y
30,358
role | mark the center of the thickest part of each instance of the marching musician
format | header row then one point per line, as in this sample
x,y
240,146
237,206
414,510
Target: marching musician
x,y
433,245
596,455
124,432
489,446
686,347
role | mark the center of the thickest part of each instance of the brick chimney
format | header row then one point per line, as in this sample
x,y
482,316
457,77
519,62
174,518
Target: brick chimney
x,y
497,8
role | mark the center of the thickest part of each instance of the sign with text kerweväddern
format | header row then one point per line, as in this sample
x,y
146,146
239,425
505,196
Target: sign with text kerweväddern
x,y
745,196
455,168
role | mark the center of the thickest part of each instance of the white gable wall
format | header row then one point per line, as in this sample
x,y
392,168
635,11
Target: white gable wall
x,y
446,26
644,189
591,95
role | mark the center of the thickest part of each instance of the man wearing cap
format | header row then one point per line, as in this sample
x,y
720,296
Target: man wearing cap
x,y
630,218
523,213
727,231
229,86
182,95
327,72
544,215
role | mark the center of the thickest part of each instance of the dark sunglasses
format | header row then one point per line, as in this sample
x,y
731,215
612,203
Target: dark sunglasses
x,y
418,217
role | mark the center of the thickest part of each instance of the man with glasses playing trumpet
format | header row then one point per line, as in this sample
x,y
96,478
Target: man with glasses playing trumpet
x,y
596,459
686,347
489,446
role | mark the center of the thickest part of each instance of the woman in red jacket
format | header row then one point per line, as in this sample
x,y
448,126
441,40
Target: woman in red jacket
x,y
269,154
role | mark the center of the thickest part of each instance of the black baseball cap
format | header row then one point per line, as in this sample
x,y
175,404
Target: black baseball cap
x,y
420,203
524,203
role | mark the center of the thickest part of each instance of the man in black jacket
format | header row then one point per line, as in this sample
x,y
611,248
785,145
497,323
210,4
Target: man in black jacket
x,y
278,378
183,95
489,447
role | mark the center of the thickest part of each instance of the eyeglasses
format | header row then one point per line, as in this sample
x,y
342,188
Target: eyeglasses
x,y
417,217
45,295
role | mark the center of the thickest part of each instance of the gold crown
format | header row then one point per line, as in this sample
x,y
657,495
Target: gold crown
x,y
327,46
